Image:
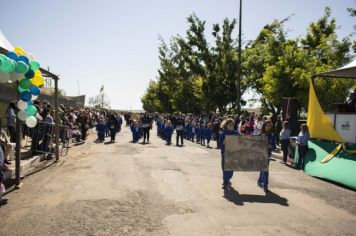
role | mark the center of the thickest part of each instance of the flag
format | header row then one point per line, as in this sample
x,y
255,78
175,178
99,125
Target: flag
x,y
102,88
318,123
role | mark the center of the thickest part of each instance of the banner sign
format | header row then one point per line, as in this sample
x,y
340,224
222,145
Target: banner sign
x,y
246,153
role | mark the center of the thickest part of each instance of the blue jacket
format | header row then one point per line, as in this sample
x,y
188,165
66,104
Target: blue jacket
x,y
101,128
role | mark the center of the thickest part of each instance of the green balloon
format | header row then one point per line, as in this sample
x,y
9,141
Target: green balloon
x,y
34,65
3,62
21,89
25,83
31,110
21,67
6,64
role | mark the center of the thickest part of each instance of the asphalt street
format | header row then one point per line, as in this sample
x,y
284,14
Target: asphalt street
x,y
156,189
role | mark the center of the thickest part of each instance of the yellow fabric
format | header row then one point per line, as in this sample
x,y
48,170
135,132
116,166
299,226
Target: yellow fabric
x,y
350,152
318,123
332,154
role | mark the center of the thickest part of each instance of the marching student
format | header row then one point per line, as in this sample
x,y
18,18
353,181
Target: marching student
x,y
135,129
169,132
208,133
263,178
228,129
202,135
198,132
101,128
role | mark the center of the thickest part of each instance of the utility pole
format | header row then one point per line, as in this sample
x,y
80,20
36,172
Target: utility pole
x,y
238,82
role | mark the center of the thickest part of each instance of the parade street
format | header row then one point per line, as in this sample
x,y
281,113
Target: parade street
x,y
156,189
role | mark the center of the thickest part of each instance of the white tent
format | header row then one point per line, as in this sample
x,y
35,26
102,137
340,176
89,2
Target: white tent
x,y
5,43
348,71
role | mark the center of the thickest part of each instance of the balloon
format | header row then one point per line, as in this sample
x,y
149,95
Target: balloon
x,y
38,73
24,59
12,55
22,115
15,76
38,81
25,83
35,65
3,61
31,110
31,121
19,51
30,74
34,97
25,96
21,90
35,90
21,67
6,64
4,77
22,105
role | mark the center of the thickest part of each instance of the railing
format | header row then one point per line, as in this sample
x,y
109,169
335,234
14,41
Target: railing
x,y
41,138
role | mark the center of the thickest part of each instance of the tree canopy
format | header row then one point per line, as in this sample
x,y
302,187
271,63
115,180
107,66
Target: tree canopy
x,y
195,76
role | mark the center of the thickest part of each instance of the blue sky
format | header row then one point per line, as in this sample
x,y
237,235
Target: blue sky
x,y
115,42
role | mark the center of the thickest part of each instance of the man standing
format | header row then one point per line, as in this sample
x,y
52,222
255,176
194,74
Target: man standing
x,y
179,126
146,122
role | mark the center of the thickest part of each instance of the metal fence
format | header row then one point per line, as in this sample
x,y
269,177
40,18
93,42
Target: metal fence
x,y
41,139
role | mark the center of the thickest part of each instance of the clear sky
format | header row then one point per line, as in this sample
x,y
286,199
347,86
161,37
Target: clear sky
x,y
115,42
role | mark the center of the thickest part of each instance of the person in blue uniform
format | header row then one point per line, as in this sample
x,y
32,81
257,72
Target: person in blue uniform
x,y
228,129
169,132
101,128
135,129
208,134
202,135
198,133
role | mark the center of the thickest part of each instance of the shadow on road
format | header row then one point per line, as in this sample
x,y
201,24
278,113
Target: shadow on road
x,y
234,196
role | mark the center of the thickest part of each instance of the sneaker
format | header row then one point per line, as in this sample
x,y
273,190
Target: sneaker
x,y
259,184
265,189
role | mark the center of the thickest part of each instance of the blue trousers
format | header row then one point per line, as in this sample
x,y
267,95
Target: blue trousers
x,y
263,179
227,175
169,138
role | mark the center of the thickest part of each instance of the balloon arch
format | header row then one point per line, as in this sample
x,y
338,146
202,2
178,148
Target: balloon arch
x,y
20,67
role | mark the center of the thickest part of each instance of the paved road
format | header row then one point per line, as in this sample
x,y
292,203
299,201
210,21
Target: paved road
x,y
155,189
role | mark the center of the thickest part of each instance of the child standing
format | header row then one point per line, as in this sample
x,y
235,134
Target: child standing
x,y
284,137
302,142
169,132
135,129
228,129
101,128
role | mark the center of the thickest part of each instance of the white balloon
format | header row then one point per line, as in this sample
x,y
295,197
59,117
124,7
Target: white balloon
x,y
31,121
4,77
22,115
15,76
22,105
34,97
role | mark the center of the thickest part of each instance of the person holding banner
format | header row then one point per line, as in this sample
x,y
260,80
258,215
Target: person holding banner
x,y
228,129
263,178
